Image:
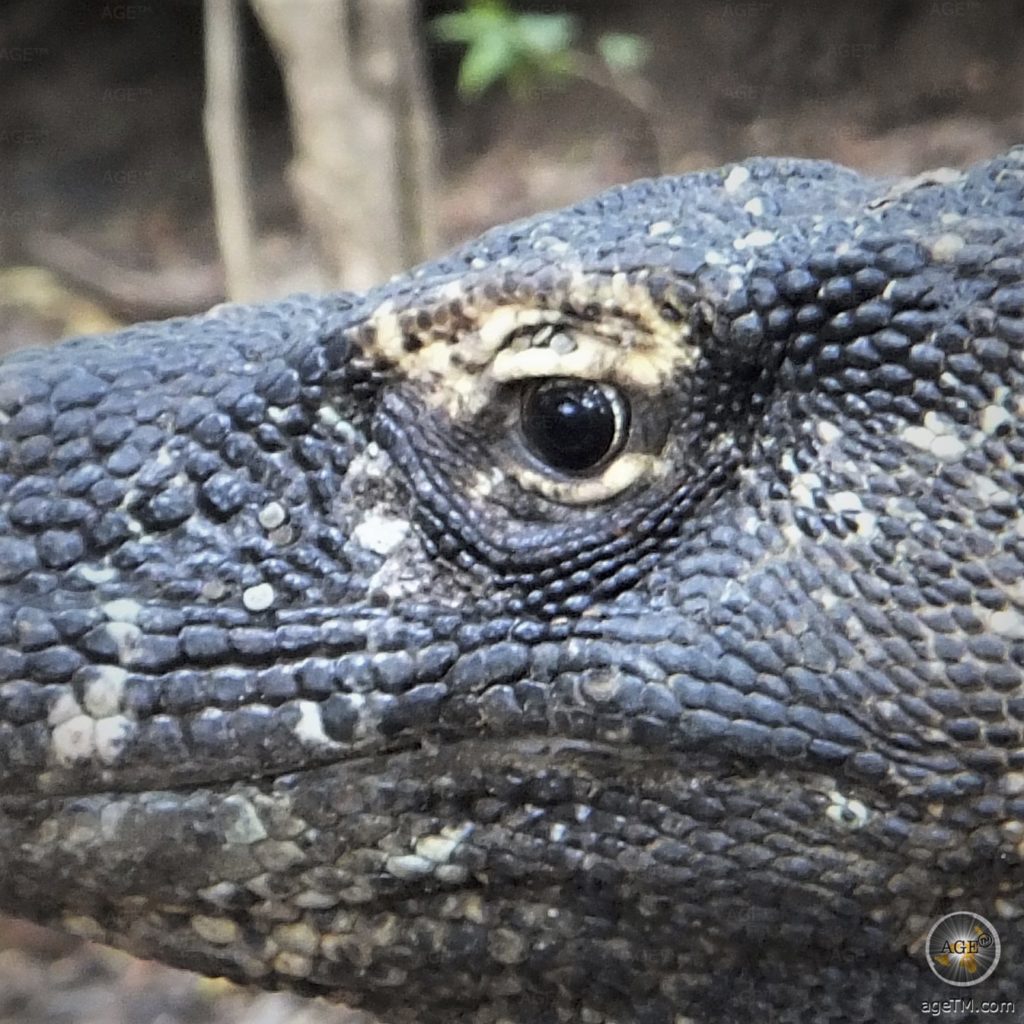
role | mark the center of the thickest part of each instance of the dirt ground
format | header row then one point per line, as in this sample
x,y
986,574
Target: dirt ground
x,y
46,978
105,217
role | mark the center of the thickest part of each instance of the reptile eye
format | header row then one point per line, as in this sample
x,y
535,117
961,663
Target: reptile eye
x,y
574,425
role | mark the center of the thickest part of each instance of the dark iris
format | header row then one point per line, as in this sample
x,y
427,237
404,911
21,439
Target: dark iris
x,y
572,425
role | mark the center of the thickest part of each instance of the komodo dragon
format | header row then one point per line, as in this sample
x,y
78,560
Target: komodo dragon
x,y
619,619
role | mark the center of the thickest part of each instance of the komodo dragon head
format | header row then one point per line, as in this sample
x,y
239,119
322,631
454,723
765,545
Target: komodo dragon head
x,y
620,619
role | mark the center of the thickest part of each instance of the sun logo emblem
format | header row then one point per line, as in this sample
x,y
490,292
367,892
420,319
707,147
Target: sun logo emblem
x,y
962,948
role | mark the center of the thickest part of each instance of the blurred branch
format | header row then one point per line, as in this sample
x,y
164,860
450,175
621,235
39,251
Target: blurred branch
x,y
224,125
133,294
637,92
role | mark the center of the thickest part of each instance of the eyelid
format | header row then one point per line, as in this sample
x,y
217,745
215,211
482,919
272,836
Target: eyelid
x,y
591,359
632,367
623,471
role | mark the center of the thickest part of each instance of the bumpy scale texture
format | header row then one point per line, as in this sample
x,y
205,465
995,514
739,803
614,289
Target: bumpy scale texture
x,y
314,673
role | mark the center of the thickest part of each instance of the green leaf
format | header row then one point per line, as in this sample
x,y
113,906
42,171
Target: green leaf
x,y
541,35
488,59
623,52
519,49
467,26
451,28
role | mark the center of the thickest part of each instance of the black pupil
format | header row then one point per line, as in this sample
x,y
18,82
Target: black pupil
x,y
569,424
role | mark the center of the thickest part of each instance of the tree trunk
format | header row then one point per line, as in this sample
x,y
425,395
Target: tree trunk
x,y
363,130
224,129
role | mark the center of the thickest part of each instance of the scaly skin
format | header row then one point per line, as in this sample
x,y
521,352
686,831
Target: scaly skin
x,y
314,672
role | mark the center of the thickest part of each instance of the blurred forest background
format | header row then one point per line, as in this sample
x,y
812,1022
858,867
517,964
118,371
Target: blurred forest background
x,y
158,156
351,138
